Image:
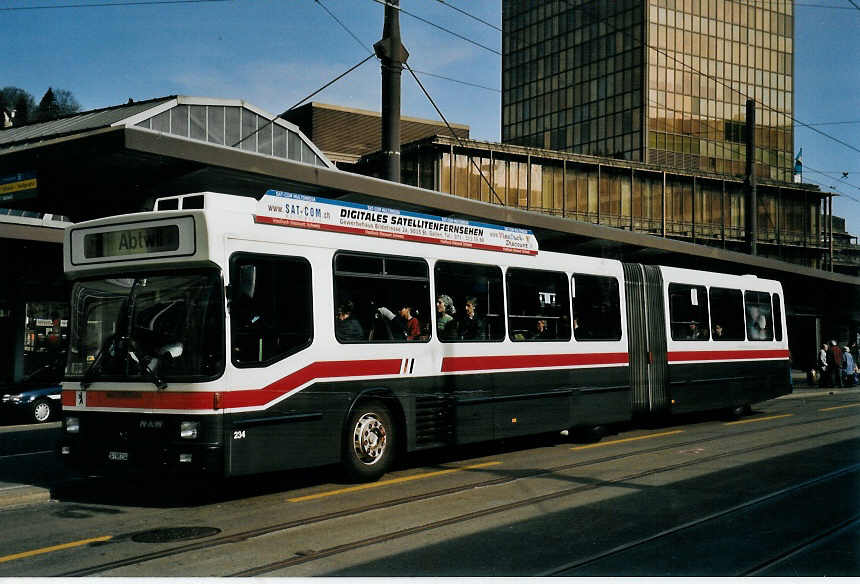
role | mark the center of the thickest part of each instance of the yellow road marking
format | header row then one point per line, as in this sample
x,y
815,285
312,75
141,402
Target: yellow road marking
x,y
53,548
626,440
390,482
839,407
757,420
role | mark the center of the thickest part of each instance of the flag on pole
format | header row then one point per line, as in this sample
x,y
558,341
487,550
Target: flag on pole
x,y
798,167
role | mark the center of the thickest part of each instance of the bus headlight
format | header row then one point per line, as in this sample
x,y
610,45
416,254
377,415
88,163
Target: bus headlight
x,y
189,430
73,425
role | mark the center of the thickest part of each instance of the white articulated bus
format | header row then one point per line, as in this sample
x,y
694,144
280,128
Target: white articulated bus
x,y
227,335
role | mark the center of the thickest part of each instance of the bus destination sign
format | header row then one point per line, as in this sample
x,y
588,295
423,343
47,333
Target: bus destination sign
x,y
294,210
142,240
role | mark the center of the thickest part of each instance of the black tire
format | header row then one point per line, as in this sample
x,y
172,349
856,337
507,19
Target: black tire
x,y
369,442
737,412
43,411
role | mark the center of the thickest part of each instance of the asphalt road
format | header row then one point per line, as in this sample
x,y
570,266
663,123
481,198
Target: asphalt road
x,y
773,493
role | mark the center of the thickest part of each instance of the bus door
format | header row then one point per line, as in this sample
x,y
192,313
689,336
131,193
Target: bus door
x,y
646,339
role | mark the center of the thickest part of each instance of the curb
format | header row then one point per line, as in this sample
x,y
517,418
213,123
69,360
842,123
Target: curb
x,y
812,392
12,497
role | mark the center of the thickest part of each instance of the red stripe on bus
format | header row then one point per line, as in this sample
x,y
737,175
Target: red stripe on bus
x,y
204,400
727,355
450,364
183,400
318,370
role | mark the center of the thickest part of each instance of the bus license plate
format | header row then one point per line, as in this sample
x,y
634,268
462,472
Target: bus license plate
x,y
119,456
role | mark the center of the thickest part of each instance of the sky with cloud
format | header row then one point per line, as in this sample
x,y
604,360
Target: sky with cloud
x,y
272,53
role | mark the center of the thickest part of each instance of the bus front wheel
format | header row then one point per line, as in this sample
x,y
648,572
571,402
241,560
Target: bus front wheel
x,y
369,441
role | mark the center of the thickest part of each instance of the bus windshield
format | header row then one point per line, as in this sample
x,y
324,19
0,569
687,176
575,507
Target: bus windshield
x,y
157,328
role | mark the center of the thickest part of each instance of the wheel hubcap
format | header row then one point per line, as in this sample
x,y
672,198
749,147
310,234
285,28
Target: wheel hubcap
x,y
43,411
369,438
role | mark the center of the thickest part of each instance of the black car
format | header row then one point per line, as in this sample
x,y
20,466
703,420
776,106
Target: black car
x,y
34,399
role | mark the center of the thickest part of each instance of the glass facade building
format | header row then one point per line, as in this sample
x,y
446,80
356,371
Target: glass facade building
x,y
700,207
656,81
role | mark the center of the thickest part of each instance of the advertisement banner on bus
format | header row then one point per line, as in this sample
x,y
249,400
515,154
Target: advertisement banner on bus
x,y
308,212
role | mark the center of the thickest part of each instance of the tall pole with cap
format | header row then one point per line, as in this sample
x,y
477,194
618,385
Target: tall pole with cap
x,y
393,54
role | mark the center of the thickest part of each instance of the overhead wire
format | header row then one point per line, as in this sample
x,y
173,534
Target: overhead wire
x,y
469,83
765,3
426,93
454,134
354,36
461,11
841,182
342,25
347,72
835,123
107,4
433,24
301,101
833,190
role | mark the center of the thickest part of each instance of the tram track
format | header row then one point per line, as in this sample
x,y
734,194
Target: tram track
x,y
319,554
358,544
807,544
737,509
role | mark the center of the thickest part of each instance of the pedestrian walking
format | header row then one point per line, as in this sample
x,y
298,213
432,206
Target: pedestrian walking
x,y
821,364
835,364
848,367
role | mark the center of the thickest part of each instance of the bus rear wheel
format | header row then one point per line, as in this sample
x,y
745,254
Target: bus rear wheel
x,y
369,442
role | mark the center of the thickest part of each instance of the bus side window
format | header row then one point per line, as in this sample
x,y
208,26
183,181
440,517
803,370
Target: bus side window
x,y
538,305
777,317
688,312
759,317
596,308
727,314
380,299
271,308
477,301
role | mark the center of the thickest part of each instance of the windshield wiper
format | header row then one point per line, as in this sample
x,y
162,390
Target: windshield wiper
x,y
143,365
127,349
92,370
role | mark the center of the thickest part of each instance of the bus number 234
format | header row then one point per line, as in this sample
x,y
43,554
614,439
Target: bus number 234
x,y
238,434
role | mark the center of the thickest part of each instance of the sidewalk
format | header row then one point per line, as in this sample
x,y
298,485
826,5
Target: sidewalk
x,y
802,388
29,468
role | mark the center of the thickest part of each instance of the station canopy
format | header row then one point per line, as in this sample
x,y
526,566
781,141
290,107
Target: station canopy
x,y
78,158
231,123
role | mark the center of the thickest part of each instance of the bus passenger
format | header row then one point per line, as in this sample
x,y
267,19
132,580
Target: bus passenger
x,y
757,328
446,326
347,328
541,331
472,326
756,324
718,332
410,324
696,333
